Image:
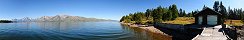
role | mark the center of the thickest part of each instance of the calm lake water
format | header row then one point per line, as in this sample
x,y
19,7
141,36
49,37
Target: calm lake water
x,y
74,31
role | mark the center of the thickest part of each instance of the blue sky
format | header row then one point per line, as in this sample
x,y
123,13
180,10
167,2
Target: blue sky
x,y
104,9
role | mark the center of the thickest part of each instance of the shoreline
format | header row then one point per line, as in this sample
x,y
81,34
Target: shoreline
x,y
146,28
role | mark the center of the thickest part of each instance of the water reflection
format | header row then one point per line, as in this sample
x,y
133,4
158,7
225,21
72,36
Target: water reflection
x,y
57,26
74,31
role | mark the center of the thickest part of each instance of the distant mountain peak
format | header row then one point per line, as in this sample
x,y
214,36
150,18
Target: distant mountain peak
x,y
61,17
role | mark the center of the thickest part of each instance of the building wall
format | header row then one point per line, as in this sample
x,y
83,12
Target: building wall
x,y
205,21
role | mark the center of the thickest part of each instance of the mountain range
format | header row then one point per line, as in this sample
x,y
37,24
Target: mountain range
x,y
59,18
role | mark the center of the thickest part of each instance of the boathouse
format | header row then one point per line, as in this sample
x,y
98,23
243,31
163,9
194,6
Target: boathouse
x,y
208,16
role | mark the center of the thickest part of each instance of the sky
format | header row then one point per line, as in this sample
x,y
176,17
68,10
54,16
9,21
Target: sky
x,y
102,9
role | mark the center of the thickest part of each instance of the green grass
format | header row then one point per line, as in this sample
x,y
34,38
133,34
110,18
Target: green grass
x,y
191,20
181,20
234,22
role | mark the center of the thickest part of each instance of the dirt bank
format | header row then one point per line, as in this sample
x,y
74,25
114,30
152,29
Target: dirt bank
x,y
147,28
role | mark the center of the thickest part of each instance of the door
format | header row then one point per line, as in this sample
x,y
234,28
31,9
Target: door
x,y
200,20
212,19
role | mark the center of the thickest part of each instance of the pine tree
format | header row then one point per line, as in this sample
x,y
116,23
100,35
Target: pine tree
x,y
216,6
180,13
169,15
148,13
122,19
174,11
184,13
157,14
223,11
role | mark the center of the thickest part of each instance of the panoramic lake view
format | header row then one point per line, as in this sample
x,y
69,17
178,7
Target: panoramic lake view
x,y
121,20
107,30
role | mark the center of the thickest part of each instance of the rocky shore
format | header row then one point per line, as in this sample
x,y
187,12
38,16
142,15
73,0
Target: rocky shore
x,y
240,33
147,28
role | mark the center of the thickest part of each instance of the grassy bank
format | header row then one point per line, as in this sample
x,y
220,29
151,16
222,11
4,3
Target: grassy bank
x,y
191,20
181,20
234,22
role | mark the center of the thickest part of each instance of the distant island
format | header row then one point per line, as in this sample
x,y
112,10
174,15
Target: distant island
x,y
5,21
60,18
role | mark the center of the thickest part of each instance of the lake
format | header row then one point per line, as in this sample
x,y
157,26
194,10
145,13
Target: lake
x,y
74,31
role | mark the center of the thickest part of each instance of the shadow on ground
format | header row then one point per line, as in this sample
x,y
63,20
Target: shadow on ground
x,y
186,33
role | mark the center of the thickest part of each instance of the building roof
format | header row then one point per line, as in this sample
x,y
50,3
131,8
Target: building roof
x,y
209,11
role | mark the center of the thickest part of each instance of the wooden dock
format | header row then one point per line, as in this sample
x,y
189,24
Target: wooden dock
x,y
212,33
